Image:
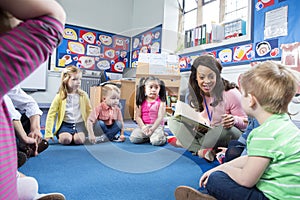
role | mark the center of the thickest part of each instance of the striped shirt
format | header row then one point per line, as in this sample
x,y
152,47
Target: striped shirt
x,y
278,139
22,50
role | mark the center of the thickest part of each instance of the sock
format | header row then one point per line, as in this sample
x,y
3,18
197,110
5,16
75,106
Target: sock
x,y
172,141
27,188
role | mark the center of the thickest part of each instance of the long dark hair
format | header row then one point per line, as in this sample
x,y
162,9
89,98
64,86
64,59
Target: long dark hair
x,y
195,93
140,90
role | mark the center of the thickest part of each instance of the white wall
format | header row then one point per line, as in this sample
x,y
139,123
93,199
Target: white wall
x,y
106,15
146,14
170,26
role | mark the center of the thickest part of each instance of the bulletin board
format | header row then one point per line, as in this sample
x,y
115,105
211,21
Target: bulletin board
x,y
91,49
148,41
274,23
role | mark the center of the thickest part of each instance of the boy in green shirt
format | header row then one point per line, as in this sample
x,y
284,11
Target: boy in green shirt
x,y
271,168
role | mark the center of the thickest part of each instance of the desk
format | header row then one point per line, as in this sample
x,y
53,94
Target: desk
x,y
127,93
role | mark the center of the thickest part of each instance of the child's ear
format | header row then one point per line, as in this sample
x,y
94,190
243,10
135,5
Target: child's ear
x,y
252,101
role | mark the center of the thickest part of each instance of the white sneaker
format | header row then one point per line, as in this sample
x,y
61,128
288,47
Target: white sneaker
x,y
117,139
50,196
101,139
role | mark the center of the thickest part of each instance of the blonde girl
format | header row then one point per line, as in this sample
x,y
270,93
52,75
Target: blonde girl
x,y
150,112
72,107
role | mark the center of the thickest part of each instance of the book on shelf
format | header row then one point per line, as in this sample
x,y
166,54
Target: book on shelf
x,y
187,114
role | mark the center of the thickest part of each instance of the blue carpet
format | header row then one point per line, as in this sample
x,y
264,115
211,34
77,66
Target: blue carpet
x,y
115,171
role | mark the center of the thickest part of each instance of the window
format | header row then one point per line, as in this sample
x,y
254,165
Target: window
x,y
189,11
198,12
206,1
235,9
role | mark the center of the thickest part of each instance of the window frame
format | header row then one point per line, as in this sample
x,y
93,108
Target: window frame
x,y
245,38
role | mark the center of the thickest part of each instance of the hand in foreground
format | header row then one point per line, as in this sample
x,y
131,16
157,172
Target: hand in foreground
x,y
36,135
227,121
32,144
122,138
92,138
145,129
204,178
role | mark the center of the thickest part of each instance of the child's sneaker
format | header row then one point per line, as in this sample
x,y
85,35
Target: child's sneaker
x,y
208,154
22,158
188,193
117,139
50,196
220,157
42,146
101,139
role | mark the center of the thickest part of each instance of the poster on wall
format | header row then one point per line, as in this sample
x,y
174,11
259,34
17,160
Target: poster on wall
x,y
266,49
276,23
263,4
148,41
91,49
291,57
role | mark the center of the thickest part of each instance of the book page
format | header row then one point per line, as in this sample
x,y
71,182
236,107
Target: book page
x,y
187,114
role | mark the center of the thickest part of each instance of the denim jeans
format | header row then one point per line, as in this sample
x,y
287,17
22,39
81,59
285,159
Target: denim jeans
x,y
221,186
110,131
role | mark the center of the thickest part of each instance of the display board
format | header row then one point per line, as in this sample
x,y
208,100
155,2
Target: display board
x,y
148,41
274,23
91,49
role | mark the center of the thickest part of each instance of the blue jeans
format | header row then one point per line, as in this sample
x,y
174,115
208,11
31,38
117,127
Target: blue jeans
x,y
221,186
110,131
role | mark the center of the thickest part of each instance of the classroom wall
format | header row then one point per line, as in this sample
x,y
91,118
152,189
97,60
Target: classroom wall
x,y
126,17
112,16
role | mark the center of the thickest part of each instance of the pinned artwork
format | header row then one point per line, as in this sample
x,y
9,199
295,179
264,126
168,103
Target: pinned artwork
x,y
148,41
91,49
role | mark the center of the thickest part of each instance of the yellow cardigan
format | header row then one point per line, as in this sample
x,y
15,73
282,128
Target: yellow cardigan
x,y
58,107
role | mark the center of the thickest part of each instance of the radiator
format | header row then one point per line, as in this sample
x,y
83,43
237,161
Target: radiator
x,y
87,82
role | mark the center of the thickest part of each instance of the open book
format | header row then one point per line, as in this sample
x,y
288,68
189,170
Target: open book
x,y
187,114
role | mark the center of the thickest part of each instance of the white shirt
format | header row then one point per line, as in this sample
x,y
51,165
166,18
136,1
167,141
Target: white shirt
x,y
73,114
23,102
13,113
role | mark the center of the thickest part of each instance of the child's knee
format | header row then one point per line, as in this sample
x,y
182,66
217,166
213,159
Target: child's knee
x,y
65,140
158,141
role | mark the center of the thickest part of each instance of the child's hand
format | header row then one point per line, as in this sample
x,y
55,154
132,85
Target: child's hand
x,y
145,129
92,138
150,132
122,138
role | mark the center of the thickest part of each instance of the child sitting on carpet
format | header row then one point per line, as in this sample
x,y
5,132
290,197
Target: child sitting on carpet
x,y
150,112
23,47
106,120
271,168
72,107
28,189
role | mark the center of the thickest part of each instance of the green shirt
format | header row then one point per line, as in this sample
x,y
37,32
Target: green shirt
x,y
278,138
